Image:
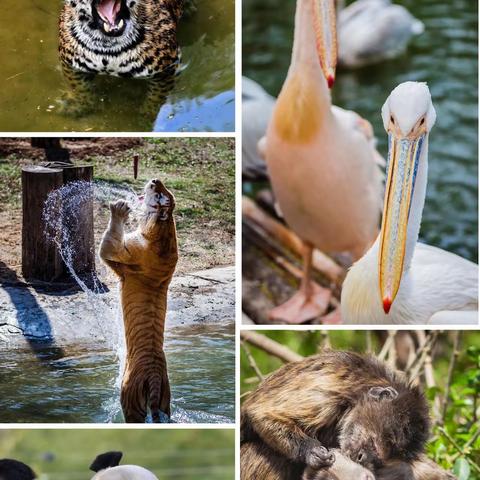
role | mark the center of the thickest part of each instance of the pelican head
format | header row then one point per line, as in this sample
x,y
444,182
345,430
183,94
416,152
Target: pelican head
x,y
408,115
324,25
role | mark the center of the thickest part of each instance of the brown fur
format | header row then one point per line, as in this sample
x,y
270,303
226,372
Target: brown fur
x,y
258,461
337,400
145,261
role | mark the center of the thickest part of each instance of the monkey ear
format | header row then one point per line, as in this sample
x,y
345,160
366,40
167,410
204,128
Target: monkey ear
x,y
383,393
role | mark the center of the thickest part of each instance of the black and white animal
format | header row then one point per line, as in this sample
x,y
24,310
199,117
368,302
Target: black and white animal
x,y
107,467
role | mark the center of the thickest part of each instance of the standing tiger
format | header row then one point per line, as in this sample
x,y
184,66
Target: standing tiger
x,y
145,261
123,38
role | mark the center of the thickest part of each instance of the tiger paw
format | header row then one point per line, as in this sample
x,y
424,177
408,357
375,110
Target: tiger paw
x,y
120,210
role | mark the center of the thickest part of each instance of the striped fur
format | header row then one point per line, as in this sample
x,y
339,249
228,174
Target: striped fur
x,y
146,47
145,261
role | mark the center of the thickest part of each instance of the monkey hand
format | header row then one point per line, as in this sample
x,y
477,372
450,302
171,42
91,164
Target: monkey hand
x,y
319,457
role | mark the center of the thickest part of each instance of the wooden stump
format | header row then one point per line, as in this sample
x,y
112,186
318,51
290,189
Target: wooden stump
x,y
41,258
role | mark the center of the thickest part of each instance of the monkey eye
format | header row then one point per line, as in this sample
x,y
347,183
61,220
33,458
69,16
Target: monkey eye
x,y
361,457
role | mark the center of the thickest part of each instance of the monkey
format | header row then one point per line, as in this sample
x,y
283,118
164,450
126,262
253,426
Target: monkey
x,y
340,400
342,469
258,461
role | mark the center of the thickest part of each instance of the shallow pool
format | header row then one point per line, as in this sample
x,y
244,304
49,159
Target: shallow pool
x,y
31,79
78,383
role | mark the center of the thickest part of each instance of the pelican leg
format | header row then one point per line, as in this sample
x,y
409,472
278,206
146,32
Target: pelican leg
x,y
311,300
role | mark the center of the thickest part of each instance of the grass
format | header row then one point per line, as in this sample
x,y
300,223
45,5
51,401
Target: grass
x,y
170,454
199,171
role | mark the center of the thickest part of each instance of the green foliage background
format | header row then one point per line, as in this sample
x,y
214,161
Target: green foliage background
x,y
455,444
171,454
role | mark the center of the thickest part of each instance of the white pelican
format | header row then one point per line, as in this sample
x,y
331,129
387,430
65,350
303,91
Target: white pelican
x,y
400,281
324,175
257,109
370,31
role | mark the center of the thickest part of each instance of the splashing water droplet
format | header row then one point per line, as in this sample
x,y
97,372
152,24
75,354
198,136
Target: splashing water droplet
x,y
63,215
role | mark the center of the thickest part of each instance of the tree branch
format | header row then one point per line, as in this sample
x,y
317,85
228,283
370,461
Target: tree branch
x,y
270,346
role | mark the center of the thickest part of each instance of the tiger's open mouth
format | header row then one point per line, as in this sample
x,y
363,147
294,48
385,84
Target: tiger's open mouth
x,y
111,16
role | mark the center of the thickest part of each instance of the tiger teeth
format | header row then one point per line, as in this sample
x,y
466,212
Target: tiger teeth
x,y
106,26
120,24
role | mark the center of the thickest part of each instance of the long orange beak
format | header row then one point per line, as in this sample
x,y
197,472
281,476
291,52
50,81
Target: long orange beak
x,y
325,26
403,158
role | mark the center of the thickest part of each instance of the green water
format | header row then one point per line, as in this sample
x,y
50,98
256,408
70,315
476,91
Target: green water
x,y
445,56
78,383
31,80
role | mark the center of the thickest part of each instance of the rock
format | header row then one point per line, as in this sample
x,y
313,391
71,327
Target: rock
x,y
203,297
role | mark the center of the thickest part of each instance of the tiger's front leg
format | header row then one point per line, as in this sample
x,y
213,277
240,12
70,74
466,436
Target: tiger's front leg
x,y
78,99
112,247
159,87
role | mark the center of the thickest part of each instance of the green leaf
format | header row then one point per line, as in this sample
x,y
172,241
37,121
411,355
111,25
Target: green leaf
x,y
461,469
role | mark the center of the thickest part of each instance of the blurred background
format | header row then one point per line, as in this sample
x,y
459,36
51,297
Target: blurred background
x,y
447,364
174,454
445,56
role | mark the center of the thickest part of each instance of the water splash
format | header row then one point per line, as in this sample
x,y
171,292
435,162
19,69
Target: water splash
x,y
66,214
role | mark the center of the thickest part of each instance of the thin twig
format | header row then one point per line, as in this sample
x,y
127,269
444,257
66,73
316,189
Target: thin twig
x,y
415,368
465,448
325,342
252,362
270,346
368,341
453,361
386,346
457,447
392,353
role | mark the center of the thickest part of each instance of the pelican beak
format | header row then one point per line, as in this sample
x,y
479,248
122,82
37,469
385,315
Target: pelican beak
x,y
324,24
403,157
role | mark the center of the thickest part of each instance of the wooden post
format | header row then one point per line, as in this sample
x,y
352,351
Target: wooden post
x,y
40,257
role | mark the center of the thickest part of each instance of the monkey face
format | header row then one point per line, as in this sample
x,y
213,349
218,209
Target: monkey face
x,y
368,431
361,444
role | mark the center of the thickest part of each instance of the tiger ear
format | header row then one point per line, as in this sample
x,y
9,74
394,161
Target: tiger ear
x,y
106,460
383,393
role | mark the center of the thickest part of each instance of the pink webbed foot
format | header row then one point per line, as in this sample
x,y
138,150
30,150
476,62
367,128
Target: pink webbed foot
x,y
303,307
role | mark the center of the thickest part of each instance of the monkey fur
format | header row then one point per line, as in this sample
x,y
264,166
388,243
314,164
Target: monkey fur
x,y
340,400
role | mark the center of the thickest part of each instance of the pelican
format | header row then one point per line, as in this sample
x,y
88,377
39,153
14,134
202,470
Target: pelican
x,y
324,175
400,281
370,31
257,108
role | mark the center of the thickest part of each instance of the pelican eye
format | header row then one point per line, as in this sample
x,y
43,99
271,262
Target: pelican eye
x,y
422,121
392,119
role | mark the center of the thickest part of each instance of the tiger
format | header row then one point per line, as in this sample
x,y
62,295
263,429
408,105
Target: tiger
x,y
145,261
123,38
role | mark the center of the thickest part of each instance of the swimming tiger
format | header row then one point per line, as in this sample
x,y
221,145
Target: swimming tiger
x,y
123,38
145,261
